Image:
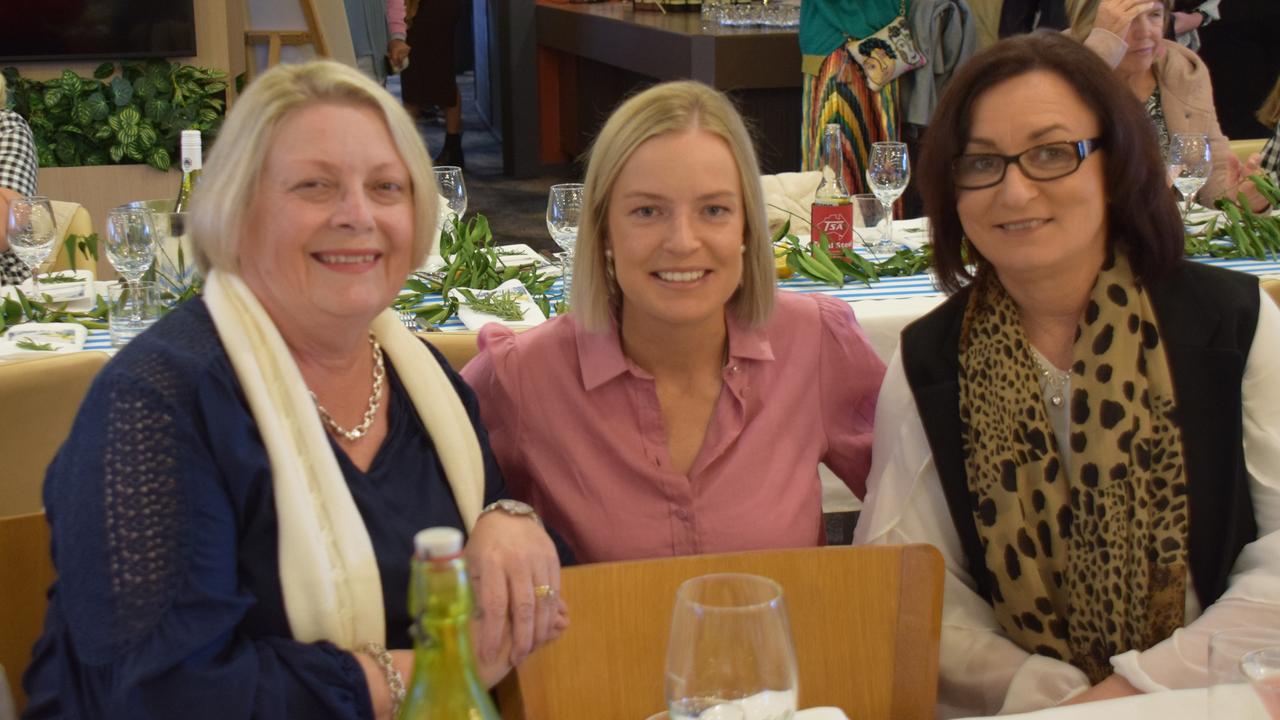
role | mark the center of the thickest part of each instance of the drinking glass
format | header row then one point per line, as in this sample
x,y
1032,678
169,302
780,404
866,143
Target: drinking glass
x,y
1230,696
564,208
1262,667
32,233
888,172
1191,160
454,190
131,308
131,241
730,654
867,215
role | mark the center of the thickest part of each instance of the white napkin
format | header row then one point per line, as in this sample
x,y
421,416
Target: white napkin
x,y
63,291
474,319
60,337
789,196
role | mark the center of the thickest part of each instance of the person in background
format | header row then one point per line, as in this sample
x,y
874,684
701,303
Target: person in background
x,y
377,35
1173,84
1189,17
17,179
683,405
836,88
233,512
434,82
1269,115
1088,429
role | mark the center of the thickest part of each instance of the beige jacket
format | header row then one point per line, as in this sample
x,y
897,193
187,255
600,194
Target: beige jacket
x,y
986,17
1186,96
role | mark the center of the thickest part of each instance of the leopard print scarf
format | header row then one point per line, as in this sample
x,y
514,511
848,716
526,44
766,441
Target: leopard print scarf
x,y
1087,560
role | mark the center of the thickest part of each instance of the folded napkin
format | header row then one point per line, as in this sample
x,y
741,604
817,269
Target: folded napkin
x,y
46,338
474,319
61,291
788,196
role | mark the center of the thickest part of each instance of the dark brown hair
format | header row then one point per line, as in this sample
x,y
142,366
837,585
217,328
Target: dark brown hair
x,y
1141,211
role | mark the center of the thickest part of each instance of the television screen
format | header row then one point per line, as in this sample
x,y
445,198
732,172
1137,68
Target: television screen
x,y
98,29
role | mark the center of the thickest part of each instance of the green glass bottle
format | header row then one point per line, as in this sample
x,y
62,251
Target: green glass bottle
x,y
446,684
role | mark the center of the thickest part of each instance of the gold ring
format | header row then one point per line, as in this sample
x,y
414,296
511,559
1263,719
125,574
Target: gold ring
x,y
543,591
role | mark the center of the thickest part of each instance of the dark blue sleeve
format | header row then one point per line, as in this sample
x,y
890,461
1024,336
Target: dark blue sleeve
x,y
144,620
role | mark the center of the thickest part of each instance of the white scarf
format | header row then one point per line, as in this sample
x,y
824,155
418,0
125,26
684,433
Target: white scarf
x,y
328,571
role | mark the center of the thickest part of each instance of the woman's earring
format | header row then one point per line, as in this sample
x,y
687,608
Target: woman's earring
x,y
742,249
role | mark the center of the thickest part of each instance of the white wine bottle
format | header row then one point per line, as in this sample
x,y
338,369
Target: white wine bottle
x,y
191,164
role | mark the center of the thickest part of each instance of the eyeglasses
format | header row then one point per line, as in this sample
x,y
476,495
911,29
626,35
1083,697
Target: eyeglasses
x,y
1042,162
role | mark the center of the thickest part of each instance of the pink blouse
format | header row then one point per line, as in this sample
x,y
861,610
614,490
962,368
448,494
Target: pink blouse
x,y
578,431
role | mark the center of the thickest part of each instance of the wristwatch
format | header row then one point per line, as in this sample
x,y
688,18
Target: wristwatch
x,y
514,508
1205,18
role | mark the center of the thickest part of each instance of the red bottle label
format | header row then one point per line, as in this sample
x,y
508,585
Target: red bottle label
x,y
834,221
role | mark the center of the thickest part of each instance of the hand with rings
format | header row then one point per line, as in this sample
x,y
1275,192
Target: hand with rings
x,y
515,575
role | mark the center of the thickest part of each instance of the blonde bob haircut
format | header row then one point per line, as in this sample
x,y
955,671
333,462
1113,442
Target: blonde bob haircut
x,y
229,180
667,108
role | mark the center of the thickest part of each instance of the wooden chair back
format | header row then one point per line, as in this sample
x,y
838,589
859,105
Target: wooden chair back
x,y
78,224
39,399
1244,149
26,572
865,620
457,347
1272,286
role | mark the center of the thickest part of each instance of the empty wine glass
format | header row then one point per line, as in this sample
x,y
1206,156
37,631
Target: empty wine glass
x,y
1191,160
730,654
564,208
888,172
452,187
32,233
131,242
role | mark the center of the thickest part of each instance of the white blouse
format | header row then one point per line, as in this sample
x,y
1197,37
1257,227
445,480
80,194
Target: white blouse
x,y
981,671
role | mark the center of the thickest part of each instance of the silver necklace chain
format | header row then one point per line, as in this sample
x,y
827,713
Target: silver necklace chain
x,y
1055,381
375,400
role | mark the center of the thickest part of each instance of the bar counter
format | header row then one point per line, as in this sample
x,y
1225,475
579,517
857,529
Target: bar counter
x,y
591,55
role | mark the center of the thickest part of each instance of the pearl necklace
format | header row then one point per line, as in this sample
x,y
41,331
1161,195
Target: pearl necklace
x,y
1054,381
375,400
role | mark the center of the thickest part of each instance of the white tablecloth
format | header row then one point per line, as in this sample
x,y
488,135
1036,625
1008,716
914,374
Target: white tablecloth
x,y
1236,702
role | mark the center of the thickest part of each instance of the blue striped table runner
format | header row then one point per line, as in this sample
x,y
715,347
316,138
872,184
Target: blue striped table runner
x,y
885,289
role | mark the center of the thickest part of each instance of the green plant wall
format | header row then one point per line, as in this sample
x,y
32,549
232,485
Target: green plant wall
x,y
125,114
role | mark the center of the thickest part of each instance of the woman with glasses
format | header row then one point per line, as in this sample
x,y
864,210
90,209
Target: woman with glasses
x,y
1171,82
1089,428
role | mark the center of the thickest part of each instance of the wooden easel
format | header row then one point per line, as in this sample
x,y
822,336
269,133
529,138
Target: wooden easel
x,y
277,39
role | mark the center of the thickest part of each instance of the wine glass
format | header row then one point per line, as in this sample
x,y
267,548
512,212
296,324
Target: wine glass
x,y
888,172
131,242
1190,158
32,233
867,215
730,654
454,190
1262,667
1231,672
564,208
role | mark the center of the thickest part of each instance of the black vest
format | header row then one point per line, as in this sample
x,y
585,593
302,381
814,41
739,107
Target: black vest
x,y
1207,317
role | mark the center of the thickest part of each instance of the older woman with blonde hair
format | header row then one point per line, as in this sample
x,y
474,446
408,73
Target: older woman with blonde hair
x,y
683,405
234,510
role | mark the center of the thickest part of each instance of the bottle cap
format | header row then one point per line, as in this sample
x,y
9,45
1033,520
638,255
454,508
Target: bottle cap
x,y
191,137
438,542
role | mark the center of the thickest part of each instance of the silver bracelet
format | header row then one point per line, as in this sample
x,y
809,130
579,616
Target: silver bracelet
x,y
395,683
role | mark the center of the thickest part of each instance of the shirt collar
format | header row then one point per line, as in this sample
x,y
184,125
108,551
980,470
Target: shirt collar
x,y
600,356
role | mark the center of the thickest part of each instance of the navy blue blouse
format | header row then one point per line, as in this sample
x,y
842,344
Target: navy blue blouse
x,y
168,602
